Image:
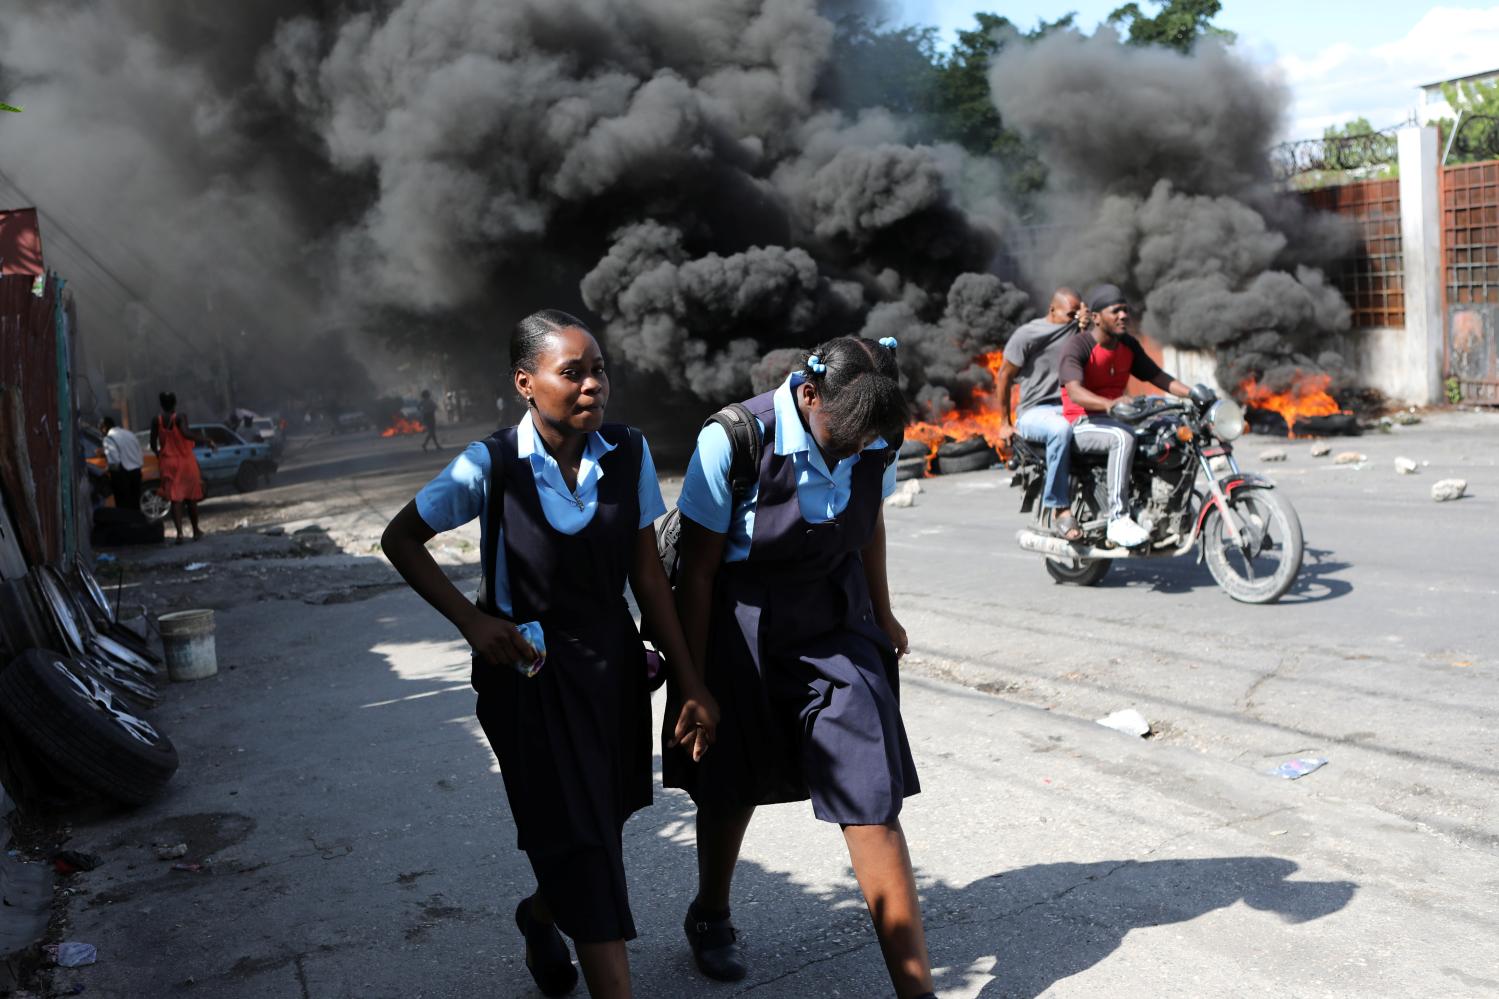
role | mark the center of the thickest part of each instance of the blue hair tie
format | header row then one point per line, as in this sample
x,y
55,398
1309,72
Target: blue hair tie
x,y
889,342
815,365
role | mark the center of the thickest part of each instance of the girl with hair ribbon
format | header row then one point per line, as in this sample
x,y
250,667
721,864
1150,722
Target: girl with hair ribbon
x,y
783,597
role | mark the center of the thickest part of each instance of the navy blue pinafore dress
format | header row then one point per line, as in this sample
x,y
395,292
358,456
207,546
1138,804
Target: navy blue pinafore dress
x,y
805,680
574,741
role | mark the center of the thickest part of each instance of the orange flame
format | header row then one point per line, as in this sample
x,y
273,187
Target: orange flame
x,y
1307,396
401,425
980,419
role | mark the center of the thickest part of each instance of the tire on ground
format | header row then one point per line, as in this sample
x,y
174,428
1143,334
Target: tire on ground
x,y
910,468
968,445
969,462
77,736
247,476
913,449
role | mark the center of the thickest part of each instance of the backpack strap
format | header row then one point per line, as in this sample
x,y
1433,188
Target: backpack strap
x,y
746,446
494,504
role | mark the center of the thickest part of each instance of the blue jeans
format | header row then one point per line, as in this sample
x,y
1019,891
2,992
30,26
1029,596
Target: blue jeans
x,y
1046,425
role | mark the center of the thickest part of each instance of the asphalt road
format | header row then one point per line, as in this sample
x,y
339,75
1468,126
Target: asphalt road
x,y
356,841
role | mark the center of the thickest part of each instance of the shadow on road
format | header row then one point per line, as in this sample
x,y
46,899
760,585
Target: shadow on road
x,y
1317,582
1048,922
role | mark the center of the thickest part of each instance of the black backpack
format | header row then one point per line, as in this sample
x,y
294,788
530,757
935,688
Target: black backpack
x,y
746,445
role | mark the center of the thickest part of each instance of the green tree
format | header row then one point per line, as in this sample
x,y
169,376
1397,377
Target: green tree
x,y
1478,126
1177,25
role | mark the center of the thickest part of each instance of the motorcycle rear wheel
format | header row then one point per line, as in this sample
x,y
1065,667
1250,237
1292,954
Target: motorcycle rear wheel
x,y
1276,553
1076,571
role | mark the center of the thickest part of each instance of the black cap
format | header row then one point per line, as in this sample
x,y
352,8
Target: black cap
x,y
1102,296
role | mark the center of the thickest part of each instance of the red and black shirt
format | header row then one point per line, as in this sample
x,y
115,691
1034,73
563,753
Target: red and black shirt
x,y
1103,370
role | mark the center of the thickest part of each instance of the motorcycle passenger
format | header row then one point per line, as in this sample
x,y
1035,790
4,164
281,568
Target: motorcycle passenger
x,y
1096,366
1034,353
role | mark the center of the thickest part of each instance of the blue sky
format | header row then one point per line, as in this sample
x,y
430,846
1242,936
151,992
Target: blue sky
x,y
1340,59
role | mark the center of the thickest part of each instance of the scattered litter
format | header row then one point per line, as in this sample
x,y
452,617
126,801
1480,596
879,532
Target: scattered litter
x,y
309,529
1405,466
171,852
1273,454
1349,458
1299,767
1405,418
1321,449
1449,489
242,523
72,954
1129,721
904,495
71,861
195,566
274,532
189,868
105,557
1278,832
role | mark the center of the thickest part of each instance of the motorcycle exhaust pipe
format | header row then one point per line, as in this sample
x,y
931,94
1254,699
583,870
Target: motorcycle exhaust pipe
x,y
1045,544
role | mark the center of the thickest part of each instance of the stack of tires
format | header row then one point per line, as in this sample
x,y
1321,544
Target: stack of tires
x,y
968,455
74,683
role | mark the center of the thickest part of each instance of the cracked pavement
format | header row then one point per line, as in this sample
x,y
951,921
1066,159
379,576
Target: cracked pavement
x,y
354,839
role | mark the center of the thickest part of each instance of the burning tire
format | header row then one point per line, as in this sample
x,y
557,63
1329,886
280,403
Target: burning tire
x,y
72,721
1261,570
913,449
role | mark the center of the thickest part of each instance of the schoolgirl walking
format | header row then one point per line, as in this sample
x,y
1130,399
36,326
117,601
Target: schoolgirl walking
x,y
783,597
567,503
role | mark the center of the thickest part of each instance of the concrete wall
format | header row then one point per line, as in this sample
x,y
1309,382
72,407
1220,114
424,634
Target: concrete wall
x,y
1420,377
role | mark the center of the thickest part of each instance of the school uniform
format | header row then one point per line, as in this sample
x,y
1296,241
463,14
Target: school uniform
x,y
573,741
805,680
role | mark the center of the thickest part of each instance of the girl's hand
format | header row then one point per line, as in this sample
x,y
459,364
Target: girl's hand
x,y
897,634
496,641
697,724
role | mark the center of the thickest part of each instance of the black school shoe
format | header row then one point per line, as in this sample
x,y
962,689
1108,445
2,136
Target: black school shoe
x,y
547,957
715,947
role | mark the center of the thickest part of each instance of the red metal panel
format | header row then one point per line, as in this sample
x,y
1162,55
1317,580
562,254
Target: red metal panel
x,y
1373,278
20,243
28,360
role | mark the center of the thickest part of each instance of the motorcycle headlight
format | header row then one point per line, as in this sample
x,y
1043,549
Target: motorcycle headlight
x,y
1226,417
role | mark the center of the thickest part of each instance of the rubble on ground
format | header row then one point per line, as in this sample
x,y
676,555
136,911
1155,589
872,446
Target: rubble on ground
x,y
1449,489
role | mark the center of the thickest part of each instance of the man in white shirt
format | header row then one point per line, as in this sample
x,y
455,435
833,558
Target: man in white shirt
x,y
123,453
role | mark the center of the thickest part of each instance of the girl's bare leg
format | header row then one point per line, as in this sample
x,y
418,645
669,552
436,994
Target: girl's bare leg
x,y
883,866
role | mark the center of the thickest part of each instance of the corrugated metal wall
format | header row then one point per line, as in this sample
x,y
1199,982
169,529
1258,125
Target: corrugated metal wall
x,y
29,394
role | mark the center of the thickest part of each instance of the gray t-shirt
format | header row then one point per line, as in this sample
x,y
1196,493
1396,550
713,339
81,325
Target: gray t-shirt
x,y
1036,349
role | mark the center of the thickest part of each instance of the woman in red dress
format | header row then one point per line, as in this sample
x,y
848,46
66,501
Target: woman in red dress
x,y
172,441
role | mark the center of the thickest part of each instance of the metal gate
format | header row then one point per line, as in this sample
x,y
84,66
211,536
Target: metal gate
x,y
1470,256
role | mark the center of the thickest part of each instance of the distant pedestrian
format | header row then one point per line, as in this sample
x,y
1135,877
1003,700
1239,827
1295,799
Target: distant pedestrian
x,y
172,440
429,420
122,453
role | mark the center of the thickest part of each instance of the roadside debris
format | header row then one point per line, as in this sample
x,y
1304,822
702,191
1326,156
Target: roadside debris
x,y
1449,489
1129,721
171,852
1405,466
1349,458
71,861
1321,449
195,566
1405,418
1273,454
1299,767
188,868
71,954
904,495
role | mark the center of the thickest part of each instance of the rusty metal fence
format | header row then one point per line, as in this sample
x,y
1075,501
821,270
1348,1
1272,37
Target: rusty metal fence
x,y
1470,265
31,430
1372,278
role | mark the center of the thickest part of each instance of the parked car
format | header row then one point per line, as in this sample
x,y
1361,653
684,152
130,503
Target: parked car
x,y
237,464
350,422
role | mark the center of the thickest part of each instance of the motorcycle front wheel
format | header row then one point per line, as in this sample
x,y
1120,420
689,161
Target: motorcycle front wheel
x,y
1262,569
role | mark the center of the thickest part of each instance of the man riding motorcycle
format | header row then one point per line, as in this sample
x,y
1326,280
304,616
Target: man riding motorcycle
x,y
1033,353
1095,369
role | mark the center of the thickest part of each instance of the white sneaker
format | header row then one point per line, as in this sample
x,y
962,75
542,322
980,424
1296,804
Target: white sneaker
x,y
1125,533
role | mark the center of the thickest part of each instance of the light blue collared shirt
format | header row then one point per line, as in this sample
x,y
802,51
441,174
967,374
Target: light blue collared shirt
x,y
460,493
706,498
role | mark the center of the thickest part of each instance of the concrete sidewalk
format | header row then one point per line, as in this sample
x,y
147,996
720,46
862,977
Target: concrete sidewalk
x,y
356,843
